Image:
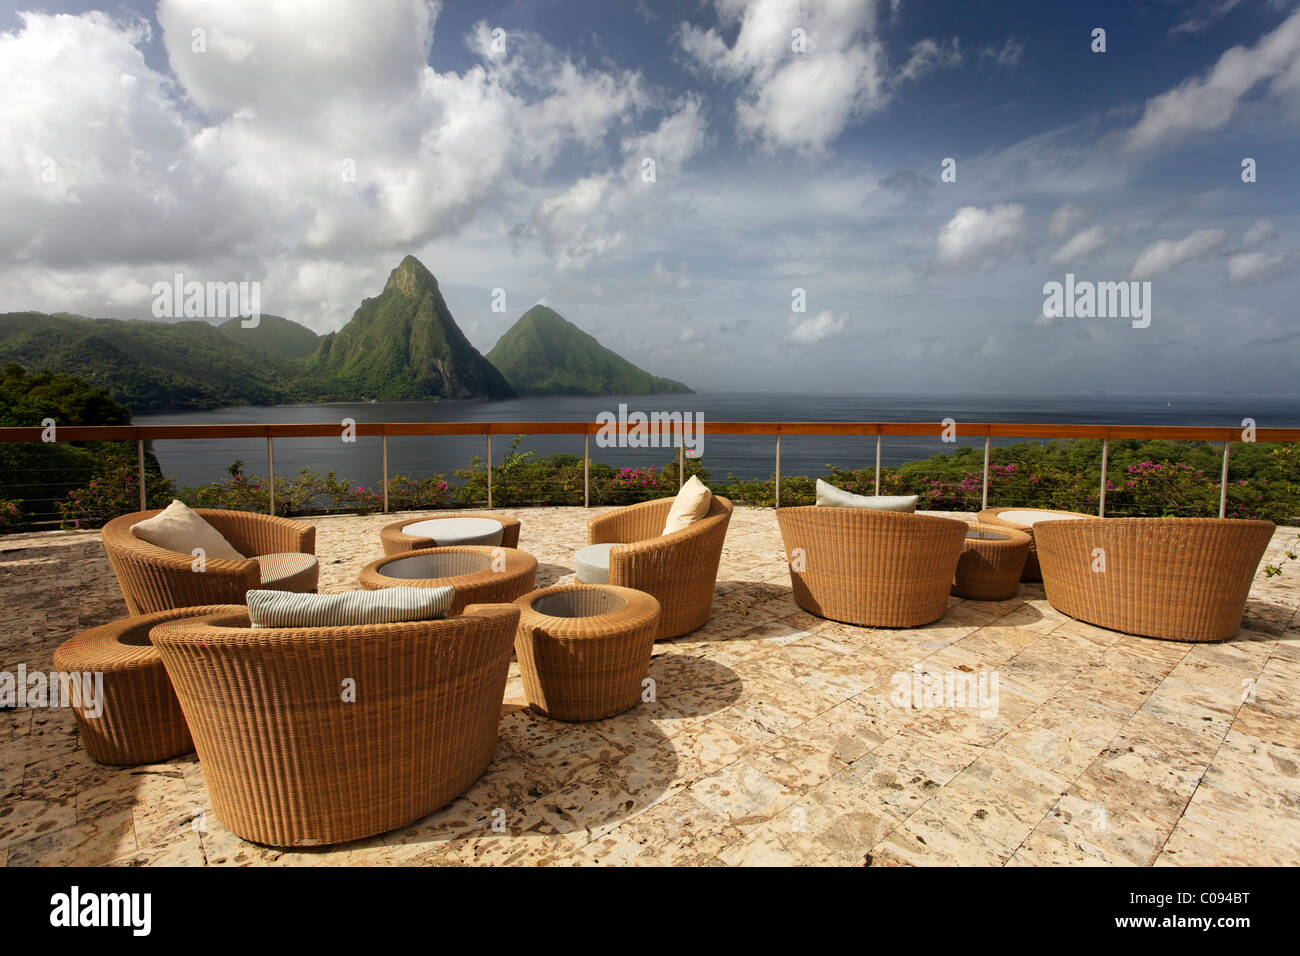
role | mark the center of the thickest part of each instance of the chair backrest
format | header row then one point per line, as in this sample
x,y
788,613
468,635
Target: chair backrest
x,y
1176,578
319,735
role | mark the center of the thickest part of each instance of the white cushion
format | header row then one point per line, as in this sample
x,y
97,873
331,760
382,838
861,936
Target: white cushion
x,y
445,532
1032,518
384,606
592,563
690,505
179,528
828,496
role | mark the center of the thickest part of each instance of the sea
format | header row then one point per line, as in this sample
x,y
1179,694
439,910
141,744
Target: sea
x,y
193,462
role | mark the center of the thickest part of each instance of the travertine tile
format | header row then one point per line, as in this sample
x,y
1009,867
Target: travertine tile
x,y
772,738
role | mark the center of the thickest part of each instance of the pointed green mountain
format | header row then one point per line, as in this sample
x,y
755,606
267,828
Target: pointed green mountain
x,y
545,354
273,335
402,345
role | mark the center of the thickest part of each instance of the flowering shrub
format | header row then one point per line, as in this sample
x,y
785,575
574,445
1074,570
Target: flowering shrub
x,y
114,490
1144,478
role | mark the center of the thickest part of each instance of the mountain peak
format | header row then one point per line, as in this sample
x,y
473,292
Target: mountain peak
x,y
411,278
544,353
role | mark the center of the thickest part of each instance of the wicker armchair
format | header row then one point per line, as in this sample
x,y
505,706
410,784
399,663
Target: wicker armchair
x,y
1180,579
679,570
872,568
290,761
155,579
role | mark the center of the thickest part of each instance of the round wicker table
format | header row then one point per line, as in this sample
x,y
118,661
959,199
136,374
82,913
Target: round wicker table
x,y
417,534
480,575
584,649
1024,519
991,562
138,718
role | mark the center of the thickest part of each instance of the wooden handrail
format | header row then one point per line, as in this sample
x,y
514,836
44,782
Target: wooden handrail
x,y
915,429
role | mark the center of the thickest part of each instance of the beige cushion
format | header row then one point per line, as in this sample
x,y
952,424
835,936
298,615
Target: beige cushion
x,y
828,496
179,528
690,505
384,606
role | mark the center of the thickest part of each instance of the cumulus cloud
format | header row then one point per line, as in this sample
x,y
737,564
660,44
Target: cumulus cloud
x,y
974,236
1082,245
810,329
1163,255
1247,267
803,100
1207,103
285,138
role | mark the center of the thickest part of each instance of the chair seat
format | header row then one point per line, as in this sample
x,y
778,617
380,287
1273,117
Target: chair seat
x,y
592,563
289,571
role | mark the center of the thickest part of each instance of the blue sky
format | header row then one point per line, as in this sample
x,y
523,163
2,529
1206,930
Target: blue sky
x,y
133,155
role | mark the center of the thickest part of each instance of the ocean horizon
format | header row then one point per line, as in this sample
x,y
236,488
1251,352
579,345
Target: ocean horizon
x,y
193,462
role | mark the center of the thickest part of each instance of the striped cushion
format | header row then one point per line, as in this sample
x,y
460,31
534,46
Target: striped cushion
x,y
828,496
385,606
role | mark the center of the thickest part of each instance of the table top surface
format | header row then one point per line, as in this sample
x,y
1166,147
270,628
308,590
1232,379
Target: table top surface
x,y
452,527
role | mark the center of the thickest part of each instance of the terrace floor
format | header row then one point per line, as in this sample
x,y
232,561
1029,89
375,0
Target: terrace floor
x,y
773,739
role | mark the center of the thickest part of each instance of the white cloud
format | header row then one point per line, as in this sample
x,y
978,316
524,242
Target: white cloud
x,y
1163,255
680,135
1259,232
1005,57
288,139
803,100
810,329
1082,245
927,56
1068,219
1205,104
1249,267
974,236
1204,15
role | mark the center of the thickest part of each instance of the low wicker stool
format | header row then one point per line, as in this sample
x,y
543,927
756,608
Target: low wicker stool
x,y
460,531
480,575
991,562
584,649
1024,519
141,720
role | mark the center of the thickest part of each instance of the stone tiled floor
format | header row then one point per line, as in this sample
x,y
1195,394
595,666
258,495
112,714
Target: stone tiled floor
x,y
773,739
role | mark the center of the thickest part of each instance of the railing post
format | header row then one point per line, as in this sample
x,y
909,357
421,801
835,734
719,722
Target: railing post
x,y
878,441
586,470
984,495
383,449
139,460
270,472
681,463
1223,484
1105,461
489,468
778,469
